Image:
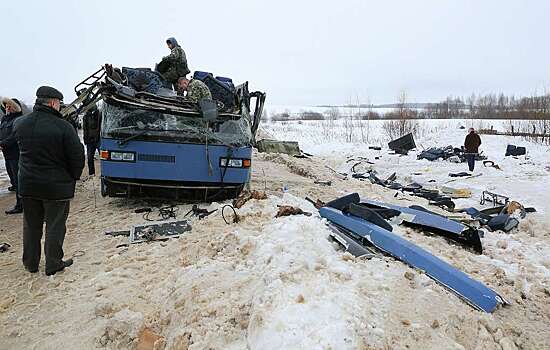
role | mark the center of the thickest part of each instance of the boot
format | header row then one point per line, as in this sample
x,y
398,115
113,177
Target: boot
x,y
66,263
18,209
32,270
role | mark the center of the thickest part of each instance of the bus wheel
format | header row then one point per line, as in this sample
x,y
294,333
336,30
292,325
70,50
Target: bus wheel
x,y
103,188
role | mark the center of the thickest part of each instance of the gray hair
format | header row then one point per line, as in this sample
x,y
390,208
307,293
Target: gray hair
x,y
43,101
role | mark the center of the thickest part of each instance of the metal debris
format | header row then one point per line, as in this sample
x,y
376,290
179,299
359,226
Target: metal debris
x,y
287,210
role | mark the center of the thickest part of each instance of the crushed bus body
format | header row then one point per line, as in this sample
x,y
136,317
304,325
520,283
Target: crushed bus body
x,y
164,146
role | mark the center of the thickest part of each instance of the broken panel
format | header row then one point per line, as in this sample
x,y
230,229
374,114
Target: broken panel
x,y
473,292
144,233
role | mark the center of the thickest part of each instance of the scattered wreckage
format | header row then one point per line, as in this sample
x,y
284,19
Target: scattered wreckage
x,y
415,216
406,143
493,198
435,196
501,216
273,146
350,242
443,197
403,144
450,153
359,225
152,232
157,144
288,210
420,218
292,148
512,150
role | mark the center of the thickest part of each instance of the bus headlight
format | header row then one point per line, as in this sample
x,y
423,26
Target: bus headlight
x,y
234,163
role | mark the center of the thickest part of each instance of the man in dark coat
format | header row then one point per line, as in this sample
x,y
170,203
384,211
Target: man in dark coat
x,y
10,150
471,146
91,126
51,160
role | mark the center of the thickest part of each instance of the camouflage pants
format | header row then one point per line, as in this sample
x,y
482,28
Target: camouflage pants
x,y
171,76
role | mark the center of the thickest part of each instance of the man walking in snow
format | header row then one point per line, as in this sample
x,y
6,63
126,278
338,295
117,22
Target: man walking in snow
x,y
173,66
471,146
51,160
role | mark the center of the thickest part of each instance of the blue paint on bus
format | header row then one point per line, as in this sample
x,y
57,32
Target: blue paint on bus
x,y
180,162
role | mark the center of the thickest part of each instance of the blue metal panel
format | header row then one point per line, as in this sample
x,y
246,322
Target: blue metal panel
x,y
191,162
473,292
423,218
436,223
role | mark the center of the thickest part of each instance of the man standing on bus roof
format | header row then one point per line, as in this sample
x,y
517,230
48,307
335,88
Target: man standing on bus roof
x,y
51,160
173,66
196,89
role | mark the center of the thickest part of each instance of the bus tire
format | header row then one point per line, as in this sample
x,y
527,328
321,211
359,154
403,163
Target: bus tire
x,y
103,188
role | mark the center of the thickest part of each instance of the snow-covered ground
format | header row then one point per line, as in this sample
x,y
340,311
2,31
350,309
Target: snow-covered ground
x,y
279,283
523,178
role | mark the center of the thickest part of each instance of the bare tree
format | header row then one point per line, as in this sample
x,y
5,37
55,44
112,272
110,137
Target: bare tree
x,y
359,122
348,123
404,123
329,124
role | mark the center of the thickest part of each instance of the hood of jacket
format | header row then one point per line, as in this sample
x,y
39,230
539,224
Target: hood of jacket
x,y
13,103
173,41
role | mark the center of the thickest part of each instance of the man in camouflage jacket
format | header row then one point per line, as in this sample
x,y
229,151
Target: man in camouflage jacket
x,y
196,89
173,66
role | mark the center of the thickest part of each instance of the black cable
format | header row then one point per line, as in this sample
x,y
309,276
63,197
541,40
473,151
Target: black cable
x,y
223,169
198,212
165,213
168,212
234,213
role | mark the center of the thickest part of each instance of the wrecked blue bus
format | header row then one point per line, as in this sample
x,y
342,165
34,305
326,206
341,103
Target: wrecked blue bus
x,y
159,145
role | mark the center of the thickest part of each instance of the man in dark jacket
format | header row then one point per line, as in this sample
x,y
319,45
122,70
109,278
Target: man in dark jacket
x,y
91,126
471,146
51,160
8,145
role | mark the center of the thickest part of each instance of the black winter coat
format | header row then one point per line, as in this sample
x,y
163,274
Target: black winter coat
x,y
472,143
51,155
7,137
91,126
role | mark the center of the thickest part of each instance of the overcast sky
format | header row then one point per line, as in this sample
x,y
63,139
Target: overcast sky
x,y
299,52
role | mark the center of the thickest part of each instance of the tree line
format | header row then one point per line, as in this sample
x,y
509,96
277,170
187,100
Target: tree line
x,y
490,106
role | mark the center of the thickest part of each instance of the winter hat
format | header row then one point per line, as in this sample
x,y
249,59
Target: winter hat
x,y
48,92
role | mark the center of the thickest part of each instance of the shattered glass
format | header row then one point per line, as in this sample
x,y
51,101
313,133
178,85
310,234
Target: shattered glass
x,y
120,122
